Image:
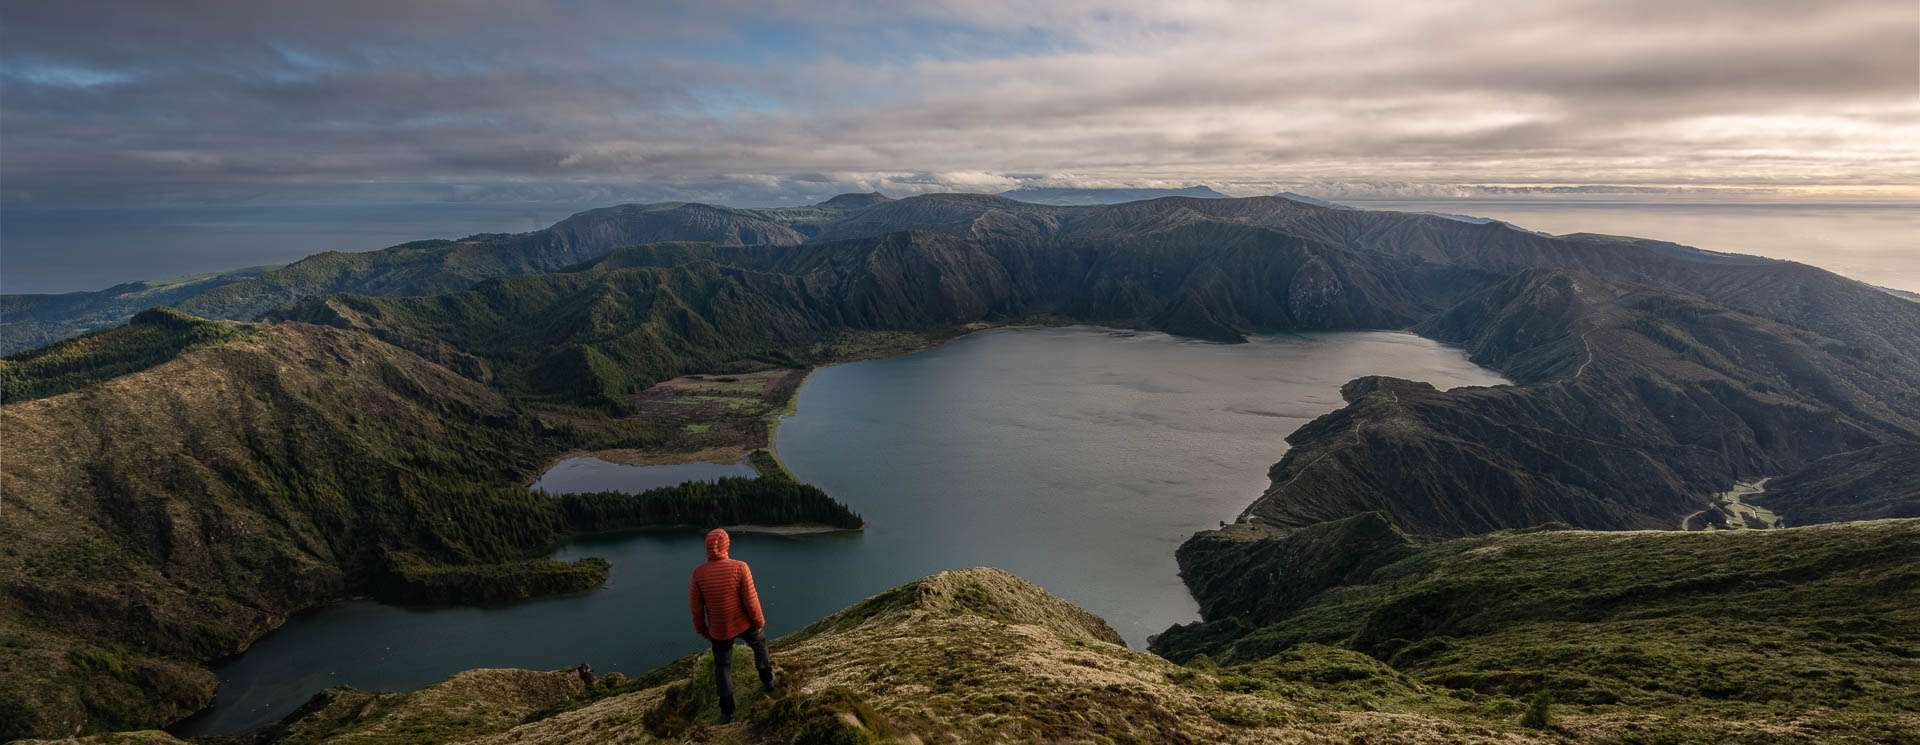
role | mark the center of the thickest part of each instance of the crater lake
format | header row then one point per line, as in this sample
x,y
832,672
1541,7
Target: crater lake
x,y
1078,458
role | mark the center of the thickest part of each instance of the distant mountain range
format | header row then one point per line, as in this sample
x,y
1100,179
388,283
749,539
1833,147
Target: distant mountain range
x,y
176,486
1063,196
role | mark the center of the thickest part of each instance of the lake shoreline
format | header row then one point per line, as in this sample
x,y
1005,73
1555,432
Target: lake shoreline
x,y
853,348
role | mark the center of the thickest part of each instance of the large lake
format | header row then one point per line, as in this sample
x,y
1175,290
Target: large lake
x,y
1075,457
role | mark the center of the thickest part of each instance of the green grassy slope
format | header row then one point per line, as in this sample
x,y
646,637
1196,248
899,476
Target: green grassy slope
x,y
150,338
1816,629
172,515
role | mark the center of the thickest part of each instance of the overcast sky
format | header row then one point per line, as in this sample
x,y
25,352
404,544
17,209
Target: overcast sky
x,y
354,102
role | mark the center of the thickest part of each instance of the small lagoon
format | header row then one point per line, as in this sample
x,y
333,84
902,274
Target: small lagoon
x,y
588,474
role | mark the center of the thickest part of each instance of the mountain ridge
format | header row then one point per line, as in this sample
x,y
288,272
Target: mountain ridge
x,y
1780,290
1069,196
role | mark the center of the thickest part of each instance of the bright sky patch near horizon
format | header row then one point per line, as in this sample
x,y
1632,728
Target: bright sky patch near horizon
x,y
549,106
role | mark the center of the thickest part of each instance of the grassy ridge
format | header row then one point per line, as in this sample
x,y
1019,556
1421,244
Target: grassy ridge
x,y
150,338
415,268
593,337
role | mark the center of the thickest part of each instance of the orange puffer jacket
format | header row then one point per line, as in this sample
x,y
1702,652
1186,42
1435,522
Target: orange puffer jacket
x,y
721,593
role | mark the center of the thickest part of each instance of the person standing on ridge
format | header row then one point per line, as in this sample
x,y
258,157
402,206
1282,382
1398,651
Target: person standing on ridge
x,y
726,609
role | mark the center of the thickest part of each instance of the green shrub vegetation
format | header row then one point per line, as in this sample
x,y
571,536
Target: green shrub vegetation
x,y
1539,711
412,580
708,504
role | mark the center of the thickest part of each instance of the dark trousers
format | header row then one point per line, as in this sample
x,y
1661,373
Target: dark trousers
x,y
723,666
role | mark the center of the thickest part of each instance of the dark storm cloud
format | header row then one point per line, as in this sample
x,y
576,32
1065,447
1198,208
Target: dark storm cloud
x,y
105,104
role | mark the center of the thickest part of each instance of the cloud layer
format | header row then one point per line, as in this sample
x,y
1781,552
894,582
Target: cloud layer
x,y
113,104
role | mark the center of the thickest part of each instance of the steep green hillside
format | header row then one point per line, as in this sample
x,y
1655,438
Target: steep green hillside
x,y
592,337
1633,406
1865,484
162,518
172,515
1761,636
601,332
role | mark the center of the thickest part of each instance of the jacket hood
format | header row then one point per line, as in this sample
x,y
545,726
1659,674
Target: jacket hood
x,y
717,543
